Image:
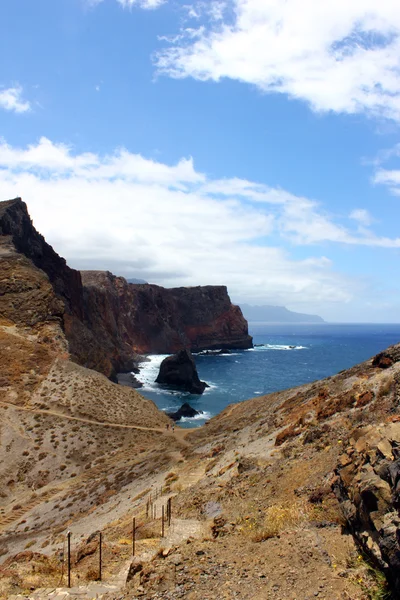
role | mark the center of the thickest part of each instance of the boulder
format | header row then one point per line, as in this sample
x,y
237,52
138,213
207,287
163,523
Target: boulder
x,y
386,359
185,411
88,547
179,371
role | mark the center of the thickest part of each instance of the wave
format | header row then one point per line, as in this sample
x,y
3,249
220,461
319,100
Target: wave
x,y
211,387
149,370
263,347
204,416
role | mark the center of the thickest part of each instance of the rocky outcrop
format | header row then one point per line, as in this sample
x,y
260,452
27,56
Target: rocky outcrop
x,y
386,359
185,411
368,488
107,321
179,371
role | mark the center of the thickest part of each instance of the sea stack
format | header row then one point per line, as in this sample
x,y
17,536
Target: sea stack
x,y
179,371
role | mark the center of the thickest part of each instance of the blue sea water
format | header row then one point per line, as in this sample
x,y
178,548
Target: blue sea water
x,y
289,355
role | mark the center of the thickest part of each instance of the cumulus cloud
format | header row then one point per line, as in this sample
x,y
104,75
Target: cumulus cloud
x,y
173,225
337,56
11,99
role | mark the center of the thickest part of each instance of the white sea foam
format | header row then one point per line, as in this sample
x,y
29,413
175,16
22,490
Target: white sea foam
x,y
276,347
204,416
149,371
211,387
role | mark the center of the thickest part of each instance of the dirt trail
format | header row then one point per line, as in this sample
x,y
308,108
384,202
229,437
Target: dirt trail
x,y
178,433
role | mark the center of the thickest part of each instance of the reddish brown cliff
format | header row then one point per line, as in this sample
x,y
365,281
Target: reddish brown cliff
x,y
151,319
104,319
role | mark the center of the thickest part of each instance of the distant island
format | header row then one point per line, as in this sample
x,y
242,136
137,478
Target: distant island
x,y
277,314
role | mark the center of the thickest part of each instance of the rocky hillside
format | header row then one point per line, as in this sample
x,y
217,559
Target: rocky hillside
x,y
290,495
106,321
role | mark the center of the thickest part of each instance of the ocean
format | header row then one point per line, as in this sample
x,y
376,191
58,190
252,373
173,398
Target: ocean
x,y
285,355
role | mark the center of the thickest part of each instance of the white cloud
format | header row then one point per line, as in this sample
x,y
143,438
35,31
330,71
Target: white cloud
x,y
172,225
146,4
11,99
390,177
361,216
385,176
336,55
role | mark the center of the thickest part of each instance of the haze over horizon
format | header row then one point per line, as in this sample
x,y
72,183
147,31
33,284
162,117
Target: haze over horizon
x,y
249,143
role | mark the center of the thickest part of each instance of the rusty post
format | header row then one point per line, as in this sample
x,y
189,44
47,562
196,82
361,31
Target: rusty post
x,y
169,511
162,521
133,536
100,557
69,557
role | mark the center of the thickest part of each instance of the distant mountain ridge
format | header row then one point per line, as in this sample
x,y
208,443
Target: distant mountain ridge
x,y
277,314
135,280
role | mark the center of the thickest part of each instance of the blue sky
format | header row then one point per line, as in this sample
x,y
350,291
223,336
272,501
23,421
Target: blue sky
x,y
252,143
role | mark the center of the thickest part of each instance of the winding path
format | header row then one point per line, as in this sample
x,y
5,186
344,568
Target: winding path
x,y
177,433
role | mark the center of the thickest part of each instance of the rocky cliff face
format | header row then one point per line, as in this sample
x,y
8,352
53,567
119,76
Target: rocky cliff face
x,y
368,479
151,319
106,321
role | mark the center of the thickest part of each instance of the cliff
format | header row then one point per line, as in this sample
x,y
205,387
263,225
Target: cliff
x,y
151,319
106,320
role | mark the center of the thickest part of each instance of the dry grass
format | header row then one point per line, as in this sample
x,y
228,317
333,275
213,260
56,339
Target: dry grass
x,y
278,518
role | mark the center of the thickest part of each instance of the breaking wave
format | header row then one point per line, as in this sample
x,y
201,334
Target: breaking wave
x,y
262,347
149,370
204,416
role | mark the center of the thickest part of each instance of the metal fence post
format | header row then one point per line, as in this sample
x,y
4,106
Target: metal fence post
x,y
100,549
133,536
162,521
69,557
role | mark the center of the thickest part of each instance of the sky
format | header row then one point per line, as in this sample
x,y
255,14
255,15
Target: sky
x,y
249,143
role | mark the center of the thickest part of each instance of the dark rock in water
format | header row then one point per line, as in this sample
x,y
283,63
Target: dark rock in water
x,y
129,380
185,411
179,371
